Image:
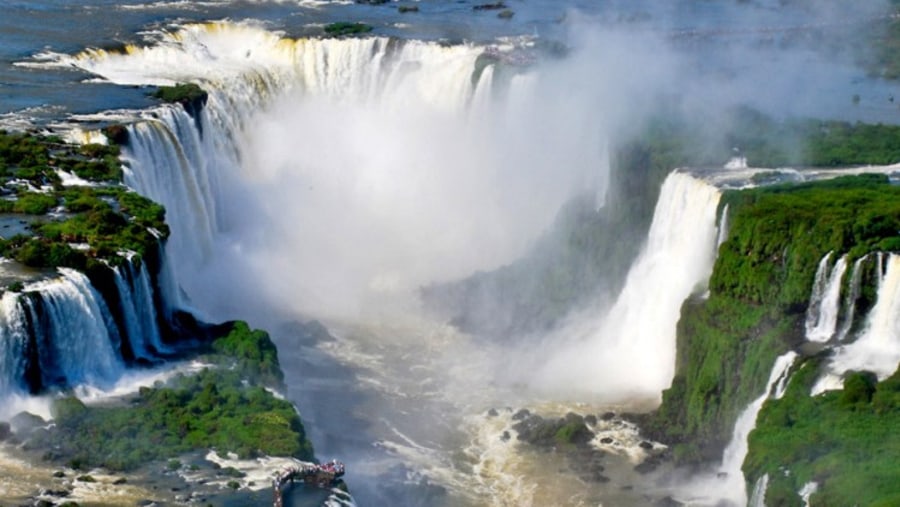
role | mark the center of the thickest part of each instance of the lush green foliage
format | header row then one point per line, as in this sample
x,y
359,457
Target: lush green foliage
x,y
95,221
221,408
779,234
843,440
347,28
254,353
109,219
32,203
27,157
805,142
759,291
184,93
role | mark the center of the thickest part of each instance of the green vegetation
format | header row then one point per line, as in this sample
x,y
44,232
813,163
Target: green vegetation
x,y
343,28
759,292
843,440
109,218
35,158
224,408
184,93
253,352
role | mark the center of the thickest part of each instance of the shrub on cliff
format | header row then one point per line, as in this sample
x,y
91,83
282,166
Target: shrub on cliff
x,y
759,292
254,352
845,441
213,409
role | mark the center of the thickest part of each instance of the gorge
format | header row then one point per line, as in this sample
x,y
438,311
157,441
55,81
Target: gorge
x,y
362,181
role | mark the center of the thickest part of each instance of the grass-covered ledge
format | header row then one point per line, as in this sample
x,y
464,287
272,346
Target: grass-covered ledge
x,y
228,407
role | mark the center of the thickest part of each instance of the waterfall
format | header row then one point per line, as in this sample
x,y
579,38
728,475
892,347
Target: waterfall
x,y
168,162
808,490
758,496
139,312
631,350
77,338
850,299
723,227
878,347
303,158
824,302
735,487
13,345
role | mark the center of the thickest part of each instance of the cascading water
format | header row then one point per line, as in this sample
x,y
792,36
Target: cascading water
x,y
878,347
13,346
723,227
139,312
758,495
172,169
850,298
77,340
631,351
729,483
824,302
304,157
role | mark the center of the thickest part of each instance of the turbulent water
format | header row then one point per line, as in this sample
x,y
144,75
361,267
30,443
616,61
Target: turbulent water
x,y
331,178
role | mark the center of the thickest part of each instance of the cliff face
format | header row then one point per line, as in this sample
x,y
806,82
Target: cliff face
x,y
757,306
84,305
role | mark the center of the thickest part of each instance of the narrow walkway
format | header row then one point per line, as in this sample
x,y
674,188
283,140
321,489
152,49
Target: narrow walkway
x,y
322,475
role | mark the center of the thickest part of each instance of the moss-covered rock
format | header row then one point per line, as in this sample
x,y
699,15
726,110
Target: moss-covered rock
x,y
845,441
189,95
344,28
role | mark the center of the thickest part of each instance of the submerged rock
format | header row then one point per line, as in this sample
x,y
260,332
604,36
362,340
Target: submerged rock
x,y
521,414
568,430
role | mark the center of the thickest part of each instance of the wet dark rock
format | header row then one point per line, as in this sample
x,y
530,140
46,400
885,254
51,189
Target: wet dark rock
x,y
505,436
651,463
26,422
606,440
407,8
120,480
59,493
5,431
608,416
117,134
506,14
493,412
590,419
722,475
569,430
490,6
600,478
646,445
667,502
43,503
58,474
521,414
